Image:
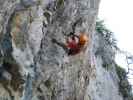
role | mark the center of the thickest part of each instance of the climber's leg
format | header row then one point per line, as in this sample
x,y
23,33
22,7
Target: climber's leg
x,y
70,52
73,51
60,44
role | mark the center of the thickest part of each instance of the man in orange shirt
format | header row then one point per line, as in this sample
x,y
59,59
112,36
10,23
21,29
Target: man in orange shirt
x,y
74,44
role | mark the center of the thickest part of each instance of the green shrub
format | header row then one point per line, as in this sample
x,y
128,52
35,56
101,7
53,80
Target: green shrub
x,y
60,3
107,45
48,83
124,87
106,49
107,66
106,34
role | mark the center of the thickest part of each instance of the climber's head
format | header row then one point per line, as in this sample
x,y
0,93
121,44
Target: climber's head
x,y
83,38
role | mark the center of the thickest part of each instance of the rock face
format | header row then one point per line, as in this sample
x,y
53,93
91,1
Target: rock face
x,y
32,67
104,85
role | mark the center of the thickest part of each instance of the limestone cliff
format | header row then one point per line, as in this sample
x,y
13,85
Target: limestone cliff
x,y
32,67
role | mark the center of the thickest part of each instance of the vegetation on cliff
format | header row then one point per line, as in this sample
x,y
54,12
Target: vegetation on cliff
x,y
107,51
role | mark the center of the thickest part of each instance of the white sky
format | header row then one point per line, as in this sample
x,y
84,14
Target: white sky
x,y
118,17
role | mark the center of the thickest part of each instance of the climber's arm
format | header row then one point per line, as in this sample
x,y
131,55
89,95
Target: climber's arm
x,y
64,46
76,36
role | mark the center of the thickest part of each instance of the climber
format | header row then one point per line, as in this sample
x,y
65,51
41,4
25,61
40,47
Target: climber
x,y
74,43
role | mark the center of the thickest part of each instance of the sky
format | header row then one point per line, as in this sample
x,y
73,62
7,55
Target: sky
x,y
118,17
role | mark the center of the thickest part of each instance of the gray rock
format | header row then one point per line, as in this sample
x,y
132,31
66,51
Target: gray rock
x,y
48,73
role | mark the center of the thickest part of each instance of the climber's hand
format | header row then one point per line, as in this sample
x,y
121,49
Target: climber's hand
x,y
54,40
